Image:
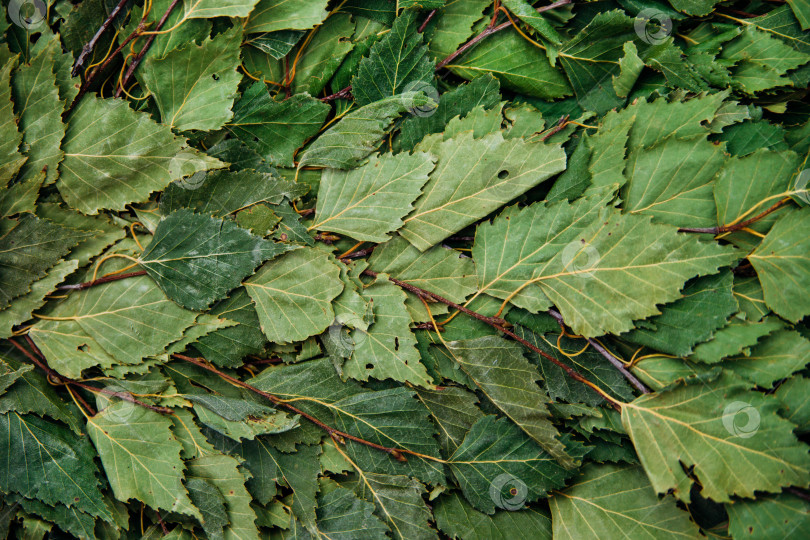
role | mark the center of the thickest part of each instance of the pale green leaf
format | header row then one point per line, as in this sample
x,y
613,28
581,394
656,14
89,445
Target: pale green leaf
x,y
472,178
712,428
351,139
781,264
618,502
272,15
293,295
203,85
141,457
115,156
369,202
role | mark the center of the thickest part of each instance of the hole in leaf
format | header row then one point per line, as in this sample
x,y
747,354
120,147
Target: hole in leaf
x,y
503,174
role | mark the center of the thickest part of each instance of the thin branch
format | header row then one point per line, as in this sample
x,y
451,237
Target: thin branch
x,y
345,93
489,30
99,281
55,375
86,86
433,297
737,226
604,352
334,433
426,21
136,62
500,325
90,45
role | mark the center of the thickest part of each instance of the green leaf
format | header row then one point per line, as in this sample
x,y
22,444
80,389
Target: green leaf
x,y
45,461
196,260
518,65
32,393
455,25
341,515
801,9
228,346
293,295
324,54
500,371
780,262
222,472
464,187
735,338
777,357
498,466
617,501
276,129
211,504
387,350
10,158
37,103
526,13
581,264
744,182
355,136
482,92
736,425
141,457
397,63
28,248
780,516
272,15
222,192
115,156
704,307
442,271
457,519
762,61
69,520
795,399
204,82
369,202
217,8
124,321
21,308
186,29
454,412
399,504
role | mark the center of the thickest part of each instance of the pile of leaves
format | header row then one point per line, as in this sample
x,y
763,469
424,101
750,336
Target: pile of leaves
x,y
406,269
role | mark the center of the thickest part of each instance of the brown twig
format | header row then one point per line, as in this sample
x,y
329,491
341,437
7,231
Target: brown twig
x,y
561,123
90,45
42,364
426,21
433,297
345,93
737,226
500,325
99,281
604,352
145,48
275,400
86,86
